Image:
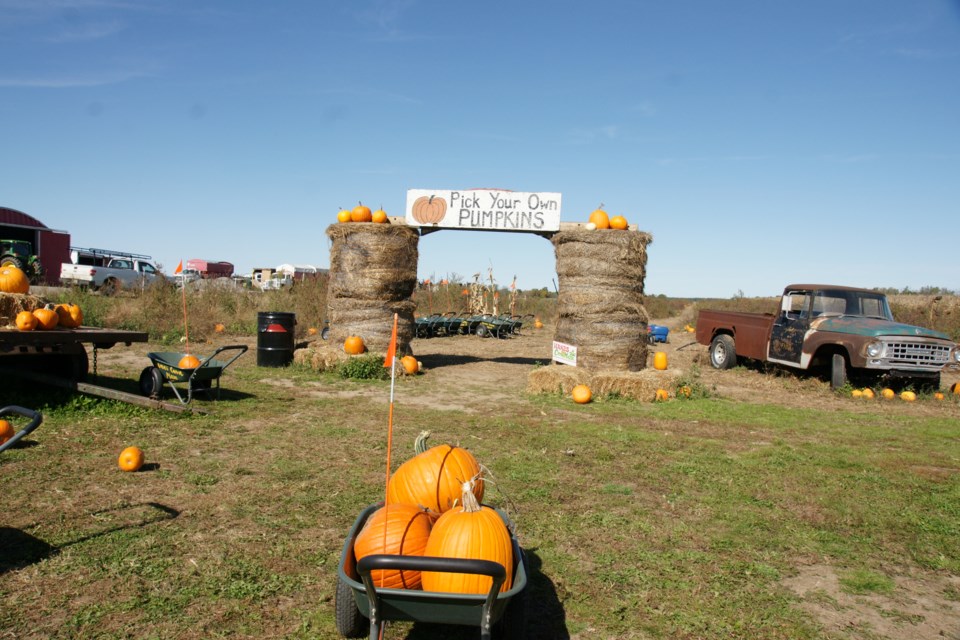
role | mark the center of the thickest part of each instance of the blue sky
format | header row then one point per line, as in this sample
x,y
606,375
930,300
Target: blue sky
x,y
760,142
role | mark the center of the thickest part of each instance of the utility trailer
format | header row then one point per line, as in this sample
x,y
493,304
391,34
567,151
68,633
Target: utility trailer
x,y
60,352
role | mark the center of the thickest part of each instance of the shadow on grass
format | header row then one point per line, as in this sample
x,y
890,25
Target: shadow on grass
x,y
20,549
535,614
435,361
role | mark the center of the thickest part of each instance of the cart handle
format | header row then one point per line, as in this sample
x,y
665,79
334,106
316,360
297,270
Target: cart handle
x,y
242,347
35,420
495,570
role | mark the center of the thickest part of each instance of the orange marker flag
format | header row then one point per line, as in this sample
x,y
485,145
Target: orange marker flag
x,y
179,268
392,350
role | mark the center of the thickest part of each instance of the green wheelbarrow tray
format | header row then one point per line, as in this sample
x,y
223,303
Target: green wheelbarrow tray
x,y
166,369
35,420
358,600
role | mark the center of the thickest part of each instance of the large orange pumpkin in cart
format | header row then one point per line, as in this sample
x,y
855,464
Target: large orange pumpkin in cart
x,y
429,209
433,479
468,531
394,529
189,362
6,431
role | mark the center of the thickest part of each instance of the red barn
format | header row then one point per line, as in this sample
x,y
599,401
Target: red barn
x,y
51,246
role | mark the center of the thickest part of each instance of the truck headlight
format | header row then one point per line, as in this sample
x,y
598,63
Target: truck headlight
x,y
874,349
956,354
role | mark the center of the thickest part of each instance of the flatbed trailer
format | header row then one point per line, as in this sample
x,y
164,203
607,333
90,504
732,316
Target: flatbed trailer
x,y
60,351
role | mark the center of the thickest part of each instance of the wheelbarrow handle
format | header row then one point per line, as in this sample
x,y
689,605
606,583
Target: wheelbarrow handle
x,y
35,420
241,347
495,570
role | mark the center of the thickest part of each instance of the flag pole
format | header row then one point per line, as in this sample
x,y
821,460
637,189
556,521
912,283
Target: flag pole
x,y
183,295
389,361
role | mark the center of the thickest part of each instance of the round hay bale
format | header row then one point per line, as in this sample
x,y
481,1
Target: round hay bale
x,y
600,306
373,273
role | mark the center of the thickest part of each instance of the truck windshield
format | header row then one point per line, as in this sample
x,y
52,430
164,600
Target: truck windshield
x,y
851,303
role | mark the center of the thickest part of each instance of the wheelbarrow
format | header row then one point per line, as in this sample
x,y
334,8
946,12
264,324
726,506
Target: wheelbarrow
x,y
35,420
166,368
360,605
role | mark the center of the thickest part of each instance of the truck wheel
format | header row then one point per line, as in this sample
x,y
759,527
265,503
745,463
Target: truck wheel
x,y
110,287
723,353
350,622
838,371
11,261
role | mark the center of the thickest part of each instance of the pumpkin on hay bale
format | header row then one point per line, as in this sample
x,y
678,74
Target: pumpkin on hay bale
x,y
13,303
600,306
373,274
638,385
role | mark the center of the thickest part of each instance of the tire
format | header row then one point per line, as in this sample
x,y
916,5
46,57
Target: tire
x,y
110,287
11,261
350,622
838,371
151,383
723,352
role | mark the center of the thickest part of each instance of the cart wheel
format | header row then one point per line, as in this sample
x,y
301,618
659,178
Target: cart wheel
x,y
151,382
350,622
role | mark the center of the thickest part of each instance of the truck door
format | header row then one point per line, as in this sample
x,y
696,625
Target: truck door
x,y
786,336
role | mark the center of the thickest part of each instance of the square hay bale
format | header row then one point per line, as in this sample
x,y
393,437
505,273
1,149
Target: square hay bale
x,y
637,385
320,356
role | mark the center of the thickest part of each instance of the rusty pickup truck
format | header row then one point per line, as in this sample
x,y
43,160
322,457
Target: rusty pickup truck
x,y
844,332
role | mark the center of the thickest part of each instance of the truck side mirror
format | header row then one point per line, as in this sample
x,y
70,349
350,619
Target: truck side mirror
x,y
785,304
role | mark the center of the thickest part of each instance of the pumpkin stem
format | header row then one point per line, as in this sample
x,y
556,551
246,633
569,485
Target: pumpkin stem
x,y
470,504
420,444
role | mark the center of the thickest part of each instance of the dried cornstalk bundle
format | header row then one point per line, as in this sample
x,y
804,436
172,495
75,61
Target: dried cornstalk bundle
x,y
373,273
600,307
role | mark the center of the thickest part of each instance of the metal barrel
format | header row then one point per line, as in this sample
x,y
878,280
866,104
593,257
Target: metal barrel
x,y
275,338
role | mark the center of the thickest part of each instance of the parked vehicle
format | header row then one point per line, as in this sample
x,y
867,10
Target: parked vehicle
x,y
19,253
209,269
843,331
121,270
270,280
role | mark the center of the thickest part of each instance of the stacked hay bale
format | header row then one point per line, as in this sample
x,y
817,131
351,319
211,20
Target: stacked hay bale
x,y
373,273
13,303
600,306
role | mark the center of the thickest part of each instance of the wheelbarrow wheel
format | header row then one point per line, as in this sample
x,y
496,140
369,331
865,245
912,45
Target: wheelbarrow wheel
x,y
151,382
350,622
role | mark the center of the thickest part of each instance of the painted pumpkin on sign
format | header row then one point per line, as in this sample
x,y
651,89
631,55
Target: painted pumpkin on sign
x,y
429,209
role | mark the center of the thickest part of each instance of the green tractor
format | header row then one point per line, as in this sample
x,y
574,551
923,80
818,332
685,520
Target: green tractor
x,y
19,253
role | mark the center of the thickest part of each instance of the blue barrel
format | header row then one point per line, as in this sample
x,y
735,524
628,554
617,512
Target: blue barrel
x,y
275,338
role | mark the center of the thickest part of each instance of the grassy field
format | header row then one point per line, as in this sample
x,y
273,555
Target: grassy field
x,y
795,514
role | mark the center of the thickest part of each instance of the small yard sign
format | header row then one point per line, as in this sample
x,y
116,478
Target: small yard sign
x,y
564,353
491,209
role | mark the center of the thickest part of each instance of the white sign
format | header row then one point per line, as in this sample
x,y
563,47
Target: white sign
x,y
497,209
564,353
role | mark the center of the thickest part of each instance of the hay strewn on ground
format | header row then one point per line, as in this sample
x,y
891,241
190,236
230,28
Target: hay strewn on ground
x,y
373,273
600,306
639,385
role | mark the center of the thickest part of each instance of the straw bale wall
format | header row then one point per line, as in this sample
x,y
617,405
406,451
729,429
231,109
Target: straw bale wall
x,y
600,304
638,385
373,273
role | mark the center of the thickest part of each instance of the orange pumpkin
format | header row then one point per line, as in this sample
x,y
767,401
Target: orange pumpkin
x,y
13,280
312,331
938,396
344,215
219,327
46,317
131,459
354,345
70,315
379,216
429,209
869,394
581,394
432,479
600,219
26,321
618,222
6,431
394,529
660,361
361,213
410,365
955,388
888,393
189,362
473,532
908,396
661,395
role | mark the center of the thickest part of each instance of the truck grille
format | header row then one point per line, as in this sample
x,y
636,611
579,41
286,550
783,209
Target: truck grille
x,y
917,353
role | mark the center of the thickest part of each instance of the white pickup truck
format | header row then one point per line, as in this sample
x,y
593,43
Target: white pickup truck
x,y
118,274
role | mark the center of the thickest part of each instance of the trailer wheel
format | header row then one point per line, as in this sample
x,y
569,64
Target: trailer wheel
x,y
838,371
151,383
350,622
723,352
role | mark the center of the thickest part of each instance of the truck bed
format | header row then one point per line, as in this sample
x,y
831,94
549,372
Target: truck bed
x,y
751,331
